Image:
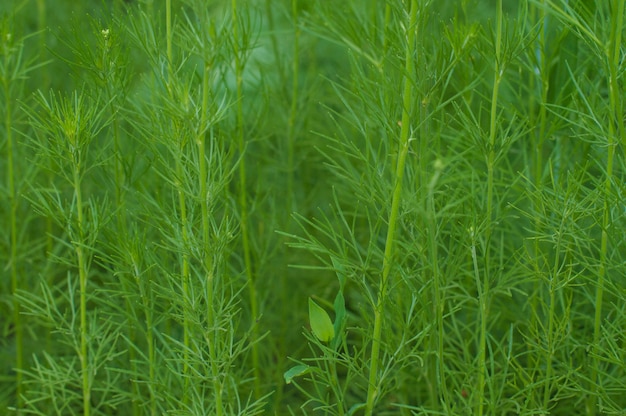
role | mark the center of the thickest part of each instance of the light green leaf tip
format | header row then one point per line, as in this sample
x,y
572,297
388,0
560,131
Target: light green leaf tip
x,y
321,325
355,408
295,372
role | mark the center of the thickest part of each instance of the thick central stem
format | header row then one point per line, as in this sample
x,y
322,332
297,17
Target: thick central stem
x,y
408,99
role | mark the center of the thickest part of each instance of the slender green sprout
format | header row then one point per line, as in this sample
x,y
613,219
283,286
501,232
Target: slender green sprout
x,y
13,260
408,99
615,137
185,271
204,197
243,197
483,291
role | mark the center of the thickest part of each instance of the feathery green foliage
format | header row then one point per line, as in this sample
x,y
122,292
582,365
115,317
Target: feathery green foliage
x,y
312,207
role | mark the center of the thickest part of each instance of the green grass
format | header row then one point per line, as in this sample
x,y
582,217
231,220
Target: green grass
x,y
311,207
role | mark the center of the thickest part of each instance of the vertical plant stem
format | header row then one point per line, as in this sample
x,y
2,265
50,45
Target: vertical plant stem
x,y
549,349
289,197
538,138
148,306
478,285
540,73
438,285
168,34
293,113
483,292
182,207
121,211
428,224
83,273
13,219
614,138
243,199
385,28
408,97
151,356
271,26
185,272
42,23
339,396
544,72
205,201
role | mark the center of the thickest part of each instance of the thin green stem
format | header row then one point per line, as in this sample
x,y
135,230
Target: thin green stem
x,y
293,113
482,325
541,72
13,219
289,197
168,34
243,199
83,273
407,101
544,69
270,5
385,28
205,201
147,303
428,223
550,336
42,24
483,292
183,217
540,133
152,364
121,211
614,138
185,272
438,285
339,394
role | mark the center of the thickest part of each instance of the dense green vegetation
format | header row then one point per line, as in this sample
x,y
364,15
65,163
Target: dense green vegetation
x,y
312,207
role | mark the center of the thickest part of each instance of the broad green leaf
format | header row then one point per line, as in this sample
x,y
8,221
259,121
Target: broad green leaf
x,y
321,325
296,371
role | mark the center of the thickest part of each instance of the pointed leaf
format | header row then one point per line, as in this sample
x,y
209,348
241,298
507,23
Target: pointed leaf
x,y
296,371
340,319
321,325
356,408
340,312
